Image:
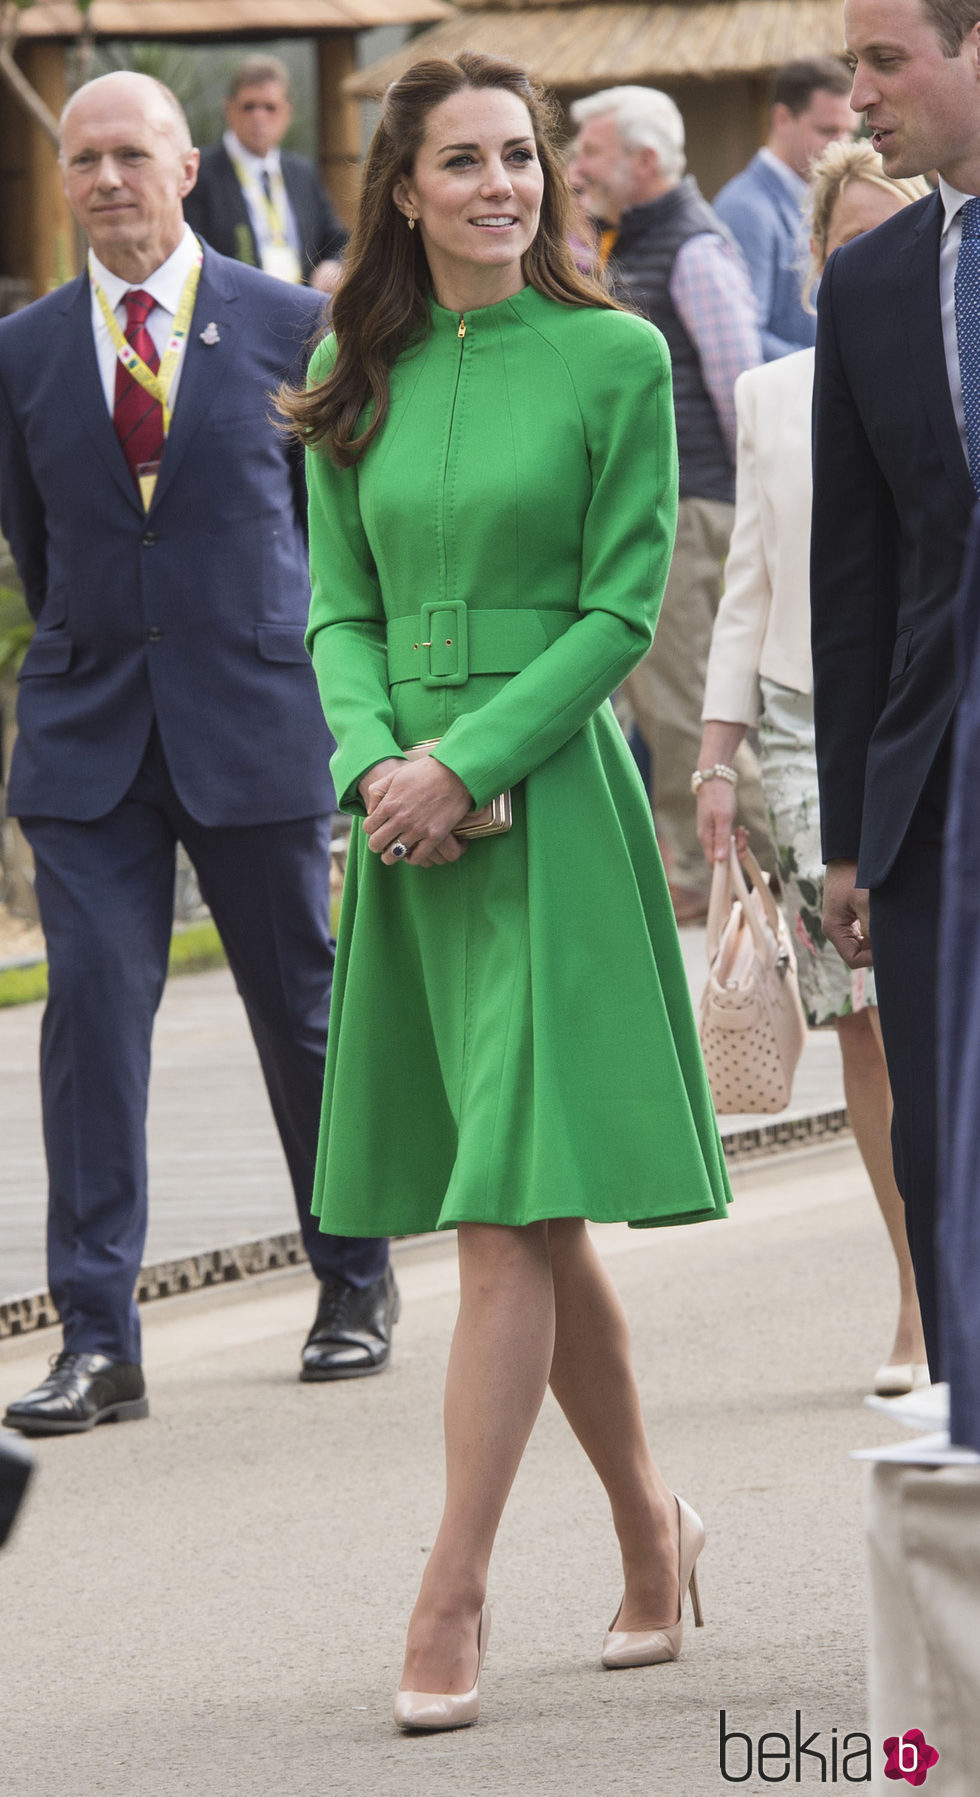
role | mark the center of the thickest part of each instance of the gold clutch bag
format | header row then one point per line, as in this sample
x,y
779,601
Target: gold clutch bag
x,y
490,820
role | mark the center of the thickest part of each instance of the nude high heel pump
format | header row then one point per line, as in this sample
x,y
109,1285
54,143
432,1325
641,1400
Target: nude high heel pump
x,y
435,1709
650,1647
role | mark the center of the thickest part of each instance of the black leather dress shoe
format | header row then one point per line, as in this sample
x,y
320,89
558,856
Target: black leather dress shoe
x,y
351,1334
80,1391
16,1467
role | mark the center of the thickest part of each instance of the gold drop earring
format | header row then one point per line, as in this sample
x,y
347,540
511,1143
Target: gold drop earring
x,y
411,221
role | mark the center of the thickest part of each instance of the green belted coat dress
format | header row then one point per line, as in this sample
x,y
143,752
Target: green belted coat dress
x,y
511,1037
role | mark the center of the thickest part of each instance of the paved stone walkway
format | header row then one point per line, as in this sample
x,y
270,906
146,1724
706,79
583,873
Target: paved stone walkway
x,y
212,1603
217,1175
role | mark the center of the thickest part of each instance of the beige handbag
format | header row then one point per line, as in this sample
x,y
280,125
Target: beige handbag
x,y
752,1026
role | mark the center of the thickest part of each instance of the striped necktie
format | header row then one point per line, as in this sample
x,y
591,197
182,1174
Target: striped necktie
x,y
967,292
137,416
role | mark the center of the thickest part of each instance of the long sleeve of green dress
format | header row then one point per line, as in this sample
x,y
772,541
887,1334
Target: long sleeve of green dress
x,y
511,1035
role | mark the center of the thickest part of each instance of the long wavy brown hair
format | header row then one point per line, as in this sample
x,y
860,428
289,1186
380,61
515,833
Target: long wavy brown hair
x,y
382,303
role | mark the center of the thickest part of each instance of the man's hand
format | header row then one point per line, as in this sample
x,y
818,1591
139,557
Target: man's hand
x,y
845,914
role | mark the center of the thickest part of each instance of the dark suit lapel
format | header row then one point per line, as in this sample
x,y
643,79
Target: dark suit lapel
x,y
205,366
296,182
235,210
297,188
84,384
922,315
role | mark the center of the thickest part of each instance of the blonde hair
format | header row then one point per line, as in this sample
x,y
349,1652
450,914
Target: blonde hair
x,y
840,164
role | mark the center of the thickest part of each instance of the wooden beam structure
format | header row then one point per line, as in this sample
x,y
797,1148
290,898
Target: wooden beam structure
x,y
340,121
37,237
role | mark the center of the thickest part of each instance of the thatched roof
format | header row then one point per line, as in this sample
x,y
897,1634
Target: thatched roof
x,y
571,46
223,18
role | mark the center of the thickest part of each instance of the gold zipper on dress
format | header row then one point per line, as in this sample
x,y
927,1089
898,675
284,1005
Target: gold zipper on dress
x,y
462,326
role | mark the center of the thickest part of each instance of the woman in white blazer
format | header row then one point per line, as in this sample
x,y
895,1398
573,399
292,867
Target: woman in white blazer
x,y
760,676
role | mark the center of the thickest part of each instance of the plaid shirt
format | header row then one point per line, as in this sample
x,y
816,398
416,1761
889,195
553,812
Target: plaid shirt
x,y
713,299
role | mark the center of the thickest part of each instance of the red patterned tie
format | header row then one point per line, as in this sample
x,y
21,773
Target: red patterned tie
x,y
137,416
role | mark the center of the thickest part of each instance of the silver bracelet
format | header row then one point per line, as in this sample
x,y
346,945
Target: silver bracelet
x,y
718,772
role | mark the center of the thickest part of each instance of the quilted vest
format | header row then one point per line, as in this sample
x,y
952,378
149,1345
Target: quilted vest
x,y
642,263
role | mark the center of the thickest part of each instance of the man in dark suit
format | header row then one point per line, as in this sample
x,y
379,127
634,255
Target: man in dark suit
x,y
166,697
256,202
897,432
959,1035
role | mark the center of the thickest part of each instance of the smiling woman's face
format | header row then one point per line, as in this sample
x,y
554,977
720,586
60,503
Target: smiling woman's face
x,y
476,191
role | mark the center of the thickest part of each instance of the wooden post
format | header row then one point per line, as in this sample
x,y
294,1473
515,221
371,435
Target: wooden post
x,y
340,122
50,224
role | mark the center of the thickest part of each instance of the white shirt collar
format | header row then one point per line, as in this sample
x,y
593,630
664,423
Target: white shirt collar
x,y
166,283
253,165
953,202
789,177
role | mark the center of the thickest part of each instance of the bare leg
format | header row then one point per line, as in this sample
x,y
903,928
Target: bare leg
x,y
869,1105
592,1378
498,1374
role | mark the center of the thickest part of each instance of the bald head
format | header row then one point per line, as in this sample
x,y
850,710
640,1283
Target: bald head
x,y
127,163
160,108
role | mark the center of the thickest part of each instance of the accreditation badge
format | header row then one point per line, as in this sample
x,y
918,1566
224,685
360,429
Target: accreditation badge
x,y
281,260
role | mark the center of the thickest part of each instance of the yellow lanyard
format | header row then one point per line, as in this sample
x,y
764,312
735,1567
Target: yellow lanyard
x,y
273,210
157,385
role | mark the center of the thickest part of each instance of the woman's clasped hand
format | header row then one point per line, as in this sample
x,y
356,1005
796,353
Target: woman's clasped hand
x,y
417,804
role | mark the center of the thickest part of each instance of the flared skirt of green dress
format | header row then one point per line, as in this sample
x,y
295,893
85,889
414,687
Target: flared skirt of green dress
x,y
512,1036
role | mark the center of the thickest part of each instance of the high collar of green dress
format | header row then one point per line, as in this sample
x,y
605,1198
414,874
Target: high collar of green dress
x,y
519,305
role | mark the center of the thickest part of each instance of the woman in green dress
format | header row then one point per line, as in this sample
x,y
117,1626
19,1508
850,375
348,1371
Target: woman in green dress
x,y
512,1051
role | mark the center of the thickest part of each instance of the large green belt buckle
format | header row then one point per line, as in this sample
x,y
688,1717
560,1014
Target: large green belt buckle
x,y
444,643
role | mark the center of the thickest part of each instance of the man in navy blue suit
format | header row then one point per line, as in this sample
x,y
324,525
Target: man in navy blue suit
x,y
157,519
959,1035
897,432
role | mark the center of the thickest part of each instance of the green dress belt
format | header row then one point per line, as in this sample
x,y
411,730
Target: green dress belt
x,y
449,641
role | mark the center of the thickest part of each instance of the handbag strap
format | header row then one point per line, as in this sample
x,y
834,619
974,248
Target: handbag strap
x,y
761,884
727,884
719,905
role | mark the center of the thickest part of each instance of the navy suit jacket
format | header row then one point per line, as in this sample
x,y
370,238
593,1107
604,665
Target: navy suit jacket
x,y
891,507
192,614
763,216
215,208
959,1035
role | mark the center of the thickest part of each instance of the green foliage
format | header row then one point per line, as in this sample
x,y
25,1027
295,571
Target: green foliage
x,y
23,985
244,248
192,950
199,78
16,630
194,947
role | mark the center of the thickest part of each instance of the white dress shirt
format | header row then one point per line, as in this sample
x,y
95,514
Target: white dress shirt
x,y
254,167
166,284
949,250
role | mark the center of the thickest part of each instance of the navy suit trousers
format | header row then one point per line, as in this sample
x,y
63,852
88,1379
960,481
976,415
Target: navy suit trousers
x,y
905,911
105,891
959,1037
